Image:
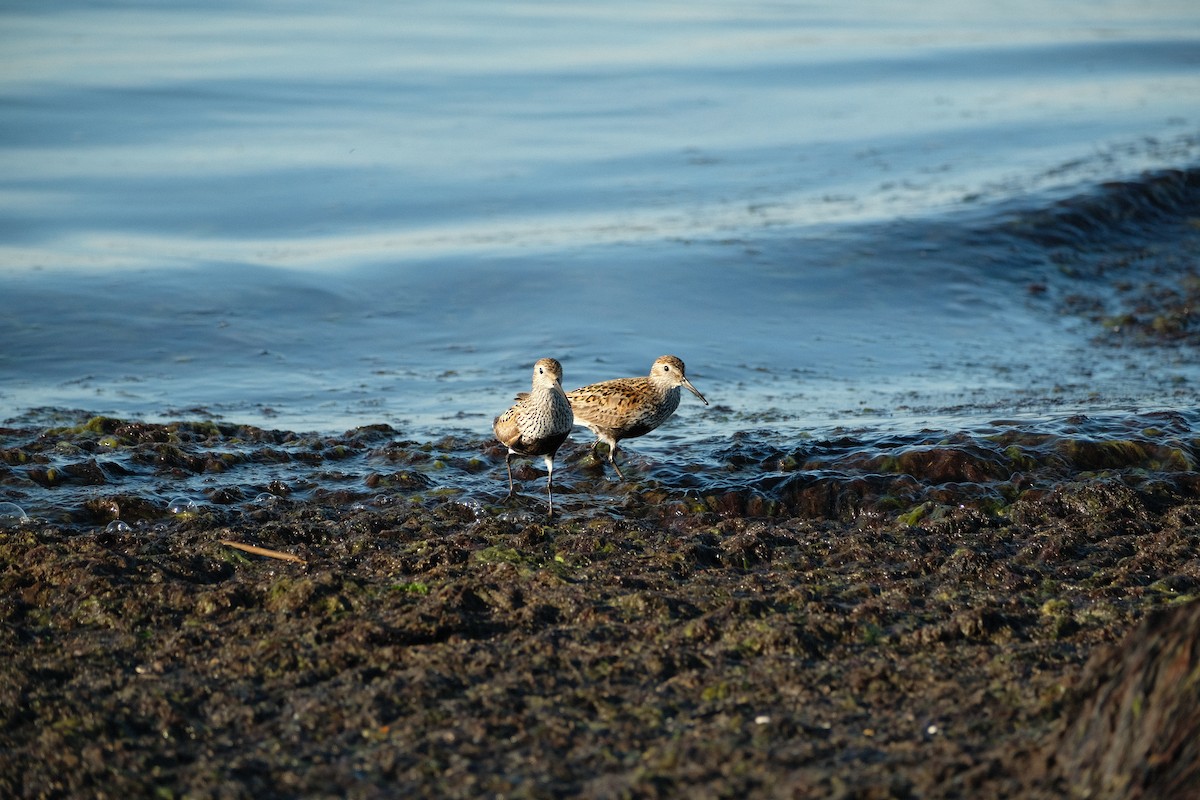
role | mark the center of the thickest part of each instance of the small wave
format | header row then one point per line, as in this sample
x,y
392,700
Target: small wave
x,y
1117,209
106,469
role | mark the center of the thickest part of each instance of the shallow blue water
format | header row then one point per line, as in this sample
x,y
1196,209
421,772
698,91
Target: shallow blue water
x,y
324,215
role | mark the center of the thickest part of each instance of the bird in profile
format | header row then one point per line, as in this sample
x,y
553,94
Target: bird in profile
x,y
626,407
538,423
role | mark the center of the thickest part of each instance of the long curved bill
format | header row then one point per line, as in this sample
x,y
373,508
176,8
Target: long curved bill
x,y
694,390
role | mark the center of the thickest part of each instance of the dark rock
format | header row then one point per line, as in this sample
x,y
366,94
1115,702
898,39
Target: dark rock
x,y
1134,730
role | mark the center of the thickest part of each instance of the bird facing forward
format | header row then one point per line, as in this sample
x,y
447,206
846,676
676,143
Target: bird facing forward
x,y
538,423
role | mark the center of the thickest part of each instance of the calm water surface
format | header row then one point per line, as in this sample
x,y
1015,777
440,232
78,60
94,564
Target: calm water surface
x,y
316,216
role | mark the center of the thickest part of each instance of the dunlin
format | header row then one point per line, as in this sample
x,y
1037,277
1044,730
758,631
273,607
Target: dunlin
x,y
538,423
627,407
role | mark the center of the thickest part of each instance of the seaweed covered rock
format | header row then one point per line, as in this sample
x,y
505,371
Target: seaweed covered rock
x,y
1134,731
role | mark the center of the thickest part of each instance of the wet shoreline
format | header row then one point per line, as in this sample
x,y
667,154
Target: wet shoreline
x,y
103,469
895,614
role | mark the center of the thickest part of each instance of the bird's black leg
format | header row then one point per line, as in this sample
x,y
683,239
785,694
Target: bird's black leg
x,y
508,463
612,459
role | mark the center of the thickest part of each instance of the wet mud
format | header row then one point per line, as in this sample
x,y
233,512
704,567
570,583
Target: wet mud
x,y
936,614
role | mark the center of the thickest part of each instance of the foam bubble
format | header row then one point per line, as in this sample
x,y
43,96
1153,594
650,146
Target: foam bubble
x,y
12,514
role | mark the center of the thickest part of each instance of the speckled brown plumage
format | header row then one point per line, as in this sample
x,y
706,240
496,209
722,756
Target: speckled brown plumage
x,y
538,423
627,407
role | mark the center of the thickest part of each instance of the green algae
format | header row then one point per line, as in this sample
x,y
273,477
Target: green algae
x,y
497,554
100,425
915,515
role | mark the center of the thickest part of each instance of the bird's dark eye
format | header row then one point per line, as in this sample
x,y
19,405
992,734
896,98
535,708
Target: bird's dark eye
x,y
666,368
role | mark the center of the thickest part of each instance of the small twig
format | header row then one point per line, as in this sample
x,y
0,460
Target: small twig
x,y
262,551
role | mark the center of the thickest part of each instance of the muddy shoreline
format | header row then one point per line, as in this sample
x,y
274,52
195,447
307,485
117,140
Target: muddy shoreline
x,y
905,617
